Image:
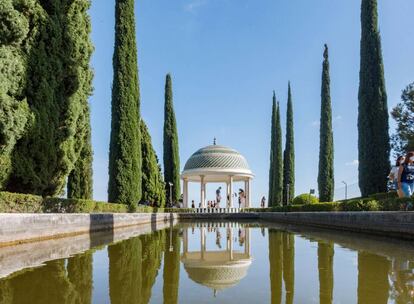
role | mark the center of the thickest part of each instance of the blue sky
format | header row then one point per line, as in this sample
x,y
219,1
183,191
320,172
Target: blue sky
x,y
227,56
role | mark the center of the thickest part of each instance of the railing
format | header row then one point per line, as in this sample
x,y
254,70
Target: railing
x,y
217,210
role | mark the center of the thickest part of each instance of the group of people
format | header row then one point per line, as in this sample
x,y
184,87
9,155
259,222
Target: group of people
x,y
402,175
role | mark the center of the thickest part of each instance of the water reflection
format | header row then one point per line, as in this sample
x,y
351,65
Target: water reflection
x,y
230,261
218,269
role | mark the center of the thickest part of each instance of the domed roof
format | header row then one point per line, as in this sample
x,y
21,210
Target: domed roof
x,y
216,156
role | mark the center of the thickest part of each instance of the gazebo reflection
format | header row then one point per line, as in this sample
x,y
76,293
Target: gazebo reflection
x,y
218,269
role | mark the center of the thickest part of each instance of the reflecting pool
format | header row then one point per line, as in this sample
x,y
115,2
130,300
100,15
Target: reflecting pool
x,y
218,263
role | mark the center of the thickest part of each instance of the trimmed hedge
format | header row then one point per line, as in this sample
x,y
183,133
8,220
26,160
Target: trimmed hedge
x,y
304,199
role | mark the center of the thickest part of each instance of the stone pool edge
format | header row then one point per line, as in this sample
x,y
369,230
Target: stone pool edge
x,y
20,228
23,228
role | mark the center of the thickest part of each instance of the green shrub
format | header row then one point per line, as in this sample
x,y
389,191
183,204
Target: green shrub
x,y
305,198
360,205
384,196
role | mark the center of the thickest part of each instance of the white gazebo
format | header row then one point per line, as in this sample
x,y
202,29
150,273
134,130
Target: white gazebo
x,y
217,164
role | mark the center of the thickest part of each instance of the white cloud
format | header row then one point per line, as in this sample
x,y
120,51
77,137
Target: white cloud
x,y
336,118
355,162
316,123
194,4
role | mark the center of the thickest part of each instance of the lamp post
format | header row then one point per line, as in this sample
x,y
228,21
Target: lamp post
x,y
346,190
171,184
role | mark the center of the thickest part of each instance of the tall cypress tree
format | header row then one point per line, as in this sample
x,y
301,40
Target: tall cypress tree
x,y
325,267
171,154
125,144
373,140
289,154
276,162
153,186
56,84
326,150
80,184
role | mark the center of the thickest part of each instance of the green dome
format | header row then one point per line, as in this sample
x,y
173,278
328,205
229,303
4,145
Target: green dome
x,y
216,156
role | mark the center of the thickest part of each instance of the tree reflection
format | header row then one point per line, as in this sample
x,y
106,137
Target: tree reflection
x,y
171,267
79,270
47,284
125,271
289,266
325,266
373,285
276,264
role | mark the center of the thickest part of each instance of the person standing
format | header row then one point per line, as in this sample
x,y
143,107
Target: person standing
x,y
393,176
406,176
192,204
263,202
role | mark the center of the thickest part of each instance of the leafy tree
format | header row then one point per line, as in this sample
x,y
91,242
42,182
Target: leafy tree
x,y
52,78
125,173
373,140
153,186
326,148
80,183
276,161
289,154
171,153
403,113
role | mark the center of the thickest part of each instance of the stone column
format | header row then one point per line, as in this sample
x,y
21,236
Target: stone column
x,y
248,195
185,192
203,193
230,205
202,242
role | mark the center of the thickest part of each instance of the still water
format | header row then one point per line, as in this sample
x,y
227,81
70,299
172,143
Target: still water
x,y
225,263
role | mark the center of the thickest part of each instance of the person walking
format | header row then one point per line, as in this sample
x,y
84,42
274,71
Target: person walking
x,y
192,204
393,176
406,177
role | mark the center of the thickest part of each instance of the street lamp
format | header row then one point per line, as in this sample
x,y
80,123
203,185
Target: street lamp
x,y
171,184
346,190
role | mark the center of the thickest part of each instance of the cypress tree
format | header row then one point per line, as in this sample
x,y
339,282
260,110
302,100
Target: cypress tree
x,y
276,162
153,187
289,154
56,80
171,273
80,183
373,139
276,265
171,154
326,153
125,144
289,266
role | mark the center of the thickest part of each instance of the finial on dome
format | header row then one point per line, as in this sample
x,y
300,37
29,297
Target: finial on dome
x,y
215,141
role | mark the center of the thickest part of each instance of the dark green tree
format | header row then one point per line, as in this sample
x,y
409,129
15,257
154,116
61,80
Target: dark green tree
x,y
16,43
289,154
125,175
153,186
325,266
326,148
276,158
80,183
373,140
403,114
55,83
171,152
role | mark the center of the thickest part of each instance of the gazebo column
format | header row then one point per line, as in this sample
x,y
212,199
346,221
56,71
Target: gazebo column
x,y
185,192
230,187
247,190
203,192
185,242
202,242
